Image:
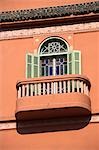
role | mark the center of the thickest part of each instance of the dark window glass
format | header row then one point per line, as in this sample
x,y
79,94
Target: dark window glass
x,y
51,71
57,70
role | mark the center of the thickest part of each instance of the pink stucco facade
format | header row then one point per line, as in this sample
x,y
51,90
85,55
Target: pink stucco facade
x,y
13,50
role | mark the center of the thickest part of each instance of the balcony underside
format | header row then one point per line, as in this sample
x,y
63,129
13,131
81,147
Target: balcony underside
x,y
53,106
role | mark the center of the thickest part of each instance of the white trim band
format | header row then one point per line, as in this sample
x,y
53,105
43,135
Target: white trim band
x,y
12,125
25,33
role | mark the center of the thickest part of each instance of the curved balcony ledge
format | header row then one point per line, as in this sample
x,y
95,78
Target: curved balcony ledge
x,y
52,97
54,78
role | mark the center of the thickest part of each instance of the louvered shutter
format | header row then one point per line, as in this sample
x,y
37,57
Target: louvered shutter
x,y
74,62
29,65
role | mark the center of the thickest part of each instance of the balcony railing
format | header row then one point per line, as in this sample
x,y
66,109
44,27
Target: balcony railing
x,y
53,97
53,85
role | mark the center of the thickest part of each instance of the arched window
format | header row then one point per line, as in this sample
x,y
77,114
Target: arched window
x,y
53,46
53,58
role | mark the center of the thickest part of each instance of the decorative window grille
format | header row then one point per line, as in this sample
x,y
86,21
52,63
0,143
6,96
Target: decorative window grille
x,y
53,45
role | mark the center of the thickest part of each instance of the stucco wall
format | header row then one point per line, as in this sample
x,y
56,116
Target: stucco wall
x,y
13,54
83,139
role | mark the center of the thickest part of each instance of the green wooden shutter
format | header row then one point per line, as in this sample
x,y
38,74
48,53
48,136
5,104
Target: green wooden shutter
x,y
74,62
77,62
69,63
29,65
35,66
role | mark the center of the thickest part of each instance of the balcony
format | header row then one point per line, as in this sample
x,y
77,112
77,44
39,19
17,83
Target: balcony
x,y
53,97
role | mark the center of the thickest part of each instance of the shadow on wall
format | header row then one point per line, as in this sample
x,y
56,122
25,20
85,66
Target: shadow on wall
x,y
52,125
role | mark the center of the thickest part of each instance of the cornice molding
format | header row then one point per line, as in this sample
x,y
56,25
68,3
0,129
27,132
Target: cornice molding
x,y
26,33
50,12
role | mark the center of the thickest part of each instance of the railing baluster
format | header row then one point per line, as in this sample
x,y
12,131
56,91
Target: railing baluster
x,y
23,90
73,85
51,87
31,89
60,86
56,86
43,88
68,86
48,88
82,86
87,91
78,85
39,88
19,92
35,89
27,90
64,86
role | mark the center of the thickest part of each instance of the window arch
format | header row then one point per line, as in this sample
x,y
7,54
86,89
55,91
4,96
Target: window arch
x,y
54,58
53,46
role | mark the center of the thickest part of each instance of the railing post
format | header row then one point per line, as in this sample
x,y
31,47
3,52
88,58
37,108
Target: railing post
x,y
51,87
87,91
19,92
31,89
73,85
27,90
60,86
56,87
39,88
43,88
78,85
82,86
48,88
35,89
68,86
64,86
23,90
